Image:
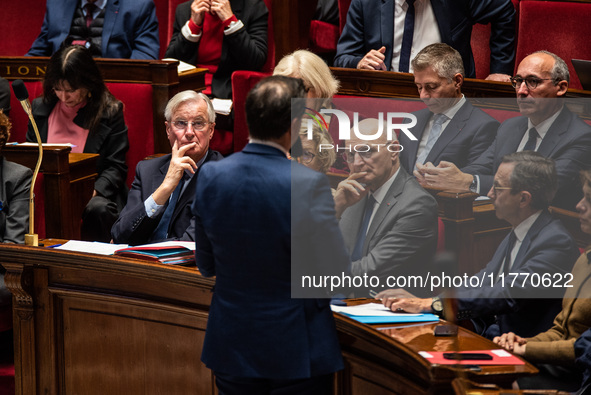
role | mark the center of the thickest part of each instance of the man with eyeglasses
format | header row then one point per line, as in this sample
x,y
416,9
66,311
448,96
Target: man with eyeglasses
x,y
538,246
159,202
389,223
450,128
546,126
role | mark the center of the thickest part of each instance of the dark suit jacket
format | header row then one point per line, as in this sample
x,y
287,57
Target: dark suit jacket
x,y
467,135
134,226
546,248
14,195
109,141
568,142
402,236
245,49
130,30
244,225
370,25
5,96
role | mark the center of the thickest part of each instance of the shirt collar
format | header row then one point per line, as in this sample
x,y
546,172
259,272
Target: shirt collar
x,y
100,4
381,192
451,112
270,144
522,229
544,126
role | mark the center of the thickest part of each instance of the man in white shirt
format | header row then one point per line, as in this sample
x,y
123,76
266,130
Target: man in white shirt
x,y
385,35
450,128
546,126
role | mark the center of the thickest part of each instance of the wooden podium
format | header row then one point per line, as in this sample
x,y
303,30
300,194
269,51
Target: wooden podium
x,y
68,183
92,324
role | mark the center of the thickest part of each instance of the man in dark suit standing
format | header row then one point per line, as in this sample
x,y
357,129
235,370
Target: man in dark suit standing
x,y
386,35
389,222
546,126
159,202
450,128
255,213
538,246
125,29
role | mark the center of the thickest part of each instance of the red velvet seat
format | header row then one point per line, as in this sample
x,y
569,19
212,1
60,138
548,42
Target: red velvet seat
x,y
242,83
137,109
566,36
21,25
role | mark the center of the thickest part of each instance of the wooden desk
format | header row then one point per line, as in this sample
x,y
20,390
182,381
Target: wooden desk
x,y
92,324
68,180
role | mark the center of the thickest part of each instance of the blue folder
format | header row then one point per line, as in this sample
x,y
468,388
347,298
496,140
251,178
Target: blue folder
x,y
394,319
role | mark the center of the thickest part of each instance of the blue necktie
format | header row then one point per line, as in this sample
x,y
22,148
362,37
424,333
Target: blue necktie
x,y
358,250
438,121
161,231
409,28
531,140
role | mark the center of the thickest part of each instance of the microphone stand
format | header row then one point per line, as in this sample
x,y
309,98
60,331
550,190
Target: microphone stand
x,y
32,238
20,91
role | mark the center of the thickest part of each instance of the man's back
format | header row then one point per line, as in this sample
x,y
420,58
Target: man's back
x,y
243,236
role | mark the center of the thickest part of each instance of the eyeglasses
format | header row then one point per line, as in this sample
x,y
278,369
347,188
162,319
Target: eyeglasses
x,y
307,157
531,82
197,125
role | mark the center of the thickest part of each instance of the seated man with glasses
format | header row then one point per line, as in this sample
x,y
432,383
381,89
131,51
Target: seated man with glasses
x,y
509,298
389,223
546,126
159,202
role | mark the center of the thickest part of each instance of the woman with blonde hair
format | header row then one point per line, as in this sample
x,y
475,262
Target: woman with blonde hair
x,y
317,77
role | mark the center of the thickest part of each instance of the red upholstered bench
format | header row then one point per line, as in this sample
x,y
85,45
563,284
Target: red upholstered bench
x,y
137,108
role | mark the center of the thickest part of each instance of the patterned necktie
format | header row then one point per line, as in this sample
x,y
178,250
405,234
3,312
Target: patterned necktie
x,y
409,28
531,140
438,121
90,7
358,250
161,231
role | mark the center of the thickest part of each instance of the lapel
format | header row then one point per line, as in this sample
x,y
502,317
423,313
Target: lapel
x,y
386,206
443,20
387,29
111,14
537,226
454,127
160,174
552,139
66,18
412,147
512,139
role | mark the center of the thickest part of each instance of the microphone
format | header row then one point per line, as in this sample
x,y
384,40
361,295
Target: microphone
x,y
20,91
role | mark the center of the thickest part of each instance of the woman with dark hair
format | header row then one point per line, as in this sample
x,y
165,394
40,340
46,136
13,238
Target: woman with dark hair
x,y
77,108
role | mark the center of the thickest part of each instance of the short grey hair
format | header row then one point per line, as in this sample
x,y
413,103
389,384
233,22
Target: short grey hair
x,y
559,71
185,97
535,174
442,58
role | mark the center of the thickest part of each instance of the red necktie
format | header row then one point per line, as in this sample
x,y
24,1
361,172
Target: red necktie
x,y
89,11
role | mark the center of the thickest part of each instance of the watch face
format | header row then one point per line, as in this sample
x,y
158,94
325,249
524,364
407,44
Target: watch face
x,y
437,305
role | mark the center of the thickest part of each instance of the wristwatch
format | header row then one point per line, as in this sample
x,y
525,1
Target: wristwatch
x,y
437,306
474,185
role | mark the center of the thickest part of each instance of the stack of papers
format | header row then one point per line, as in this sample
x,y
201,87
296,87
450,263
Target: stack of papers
x,y
222,106
374,313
